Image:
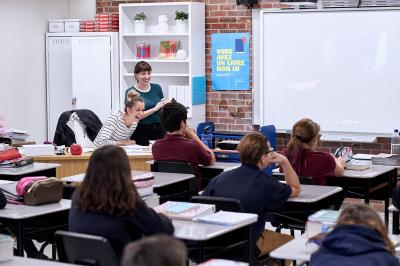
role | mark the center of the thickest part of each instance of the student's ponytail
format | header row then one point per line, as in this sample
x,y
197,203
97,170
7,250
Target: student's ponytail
x,y
303,132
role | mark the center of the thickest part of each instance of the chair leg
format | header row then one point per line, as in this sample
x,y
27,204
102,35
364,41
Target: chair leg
x,y
292,232
54,251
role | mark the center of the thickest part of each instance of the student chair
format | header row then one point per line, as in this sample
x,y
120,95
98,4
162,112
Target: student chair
x,y
181,168
85,249
88,126
270,132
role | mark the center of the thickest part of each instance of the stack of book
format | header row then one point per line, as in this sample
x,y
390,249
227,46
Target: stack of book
x,y
106,22
321,222
87,26
6,248
386,159
358,164
184,210
370,3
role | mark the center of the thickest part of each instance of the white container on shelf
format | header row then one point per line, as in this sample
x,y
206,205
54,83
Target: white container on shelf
x,y
72,25
181,25
56,25
140,26
163,23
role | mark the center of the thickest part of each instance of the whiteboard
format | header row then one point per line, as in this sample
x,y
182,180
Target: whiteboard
x,y
340,68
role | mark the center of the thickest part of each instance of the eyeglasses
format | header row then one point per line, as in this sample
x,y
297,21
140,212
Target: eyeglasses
x,y
270,150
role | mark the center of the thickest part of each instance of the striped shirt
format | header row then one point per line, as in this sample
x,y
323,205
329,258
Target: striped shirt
x,y
114,130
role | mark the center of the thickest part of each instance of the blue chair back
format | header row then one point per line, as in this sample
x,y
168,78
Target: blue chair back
x,y
201,126
270,132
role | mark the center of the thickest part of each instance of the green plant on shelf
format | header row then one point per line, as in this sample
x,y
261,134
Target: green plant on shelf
x,y
181,15
140,16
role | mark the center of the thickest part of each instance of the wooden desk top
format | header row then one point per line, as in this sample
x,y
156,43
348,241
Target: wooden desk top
x,y
86,156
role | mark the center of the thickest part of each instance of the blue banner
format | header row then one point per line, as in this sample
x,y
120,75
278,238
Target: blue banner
x,y
230,61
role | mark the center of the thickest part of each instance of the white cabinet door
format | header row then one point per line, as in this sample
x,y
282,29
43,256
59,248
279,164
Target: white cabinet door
x,y
91,74
79,76
59,81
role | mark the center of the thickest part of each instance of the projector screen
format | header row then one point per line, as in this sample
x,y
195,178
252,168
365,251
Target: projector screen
x,y
340,68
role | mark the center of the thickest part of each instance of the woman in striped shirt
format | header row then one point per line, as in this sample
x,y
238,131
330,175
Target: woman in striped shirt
x,y
118,128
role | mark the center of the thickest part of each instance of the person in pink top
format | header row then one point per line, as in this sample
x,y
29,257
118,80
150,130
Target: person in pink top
x,y
305,160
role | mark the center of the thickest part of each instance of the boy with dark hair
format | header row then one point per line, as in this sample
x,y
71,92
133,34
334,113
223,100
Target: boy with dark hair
x,y
181,144
155,250
257,192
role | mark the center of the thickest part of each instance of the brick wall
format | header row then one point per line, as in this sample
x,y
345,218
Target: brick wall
x,y
232,110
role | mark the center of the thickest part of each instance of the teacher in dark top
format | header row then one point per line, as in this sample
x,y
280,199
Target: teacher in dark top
x,y
149,127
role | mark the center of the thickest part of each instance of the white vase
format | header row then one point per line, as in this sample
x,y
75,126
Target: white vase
x,y
180,25
140,26
163,23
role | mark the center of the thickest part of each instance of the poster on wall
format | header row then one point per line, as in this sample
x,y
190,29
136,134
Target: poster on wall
x,y
230,61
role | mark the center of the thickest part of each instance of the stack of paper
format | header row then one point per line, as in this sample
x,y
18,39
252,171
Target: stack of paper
x,y
6,248
386,159
136,148
369,3
226,218
15,134
144,183
321,222
184,210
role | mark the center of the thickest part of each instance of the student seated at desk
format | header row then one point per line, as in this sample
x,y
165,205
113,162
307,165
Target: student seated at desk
x,y
305,160
155,250
118,128
257,192
181,143
359,238
107,203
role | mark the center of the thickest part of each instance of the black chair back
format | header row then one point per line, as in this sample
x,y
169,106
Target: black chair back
x,y
85,249
221,204
180,168
173,167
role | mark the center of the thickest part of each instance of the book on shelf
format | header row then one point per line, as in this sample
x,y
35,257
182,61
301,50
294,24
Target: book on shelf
x,y
386,159
226,218
358,164
321,222
184,210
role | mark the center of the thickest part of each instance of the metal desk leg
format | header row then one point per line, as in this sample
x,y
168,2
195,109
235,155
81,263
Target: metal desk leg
x,y
20,239
201,251
249,251
395,226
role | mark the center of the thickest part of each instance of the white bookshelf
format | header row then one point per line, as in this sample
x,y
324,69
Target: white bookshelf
x,y
179,72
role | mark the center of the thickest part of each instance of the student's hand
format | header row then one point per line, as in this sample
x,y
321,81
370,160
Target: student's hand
x,y
341,161
126,142
161,104
190,133
278,158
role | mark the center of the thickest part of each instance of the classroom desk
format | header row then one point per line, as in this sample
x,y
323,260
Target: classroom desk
x,y
35,169
299,249
20,261
76,164
203,232
363,184
165,184
311,199
20,218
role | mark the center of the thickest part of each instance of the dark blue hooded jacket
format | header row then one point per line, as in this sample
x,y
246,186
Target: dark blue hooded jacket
x,y
353,245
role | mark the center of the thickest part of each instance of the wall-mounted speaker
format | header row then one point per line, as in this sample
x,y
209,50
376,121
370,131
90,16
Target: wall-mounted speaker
x,y
248,3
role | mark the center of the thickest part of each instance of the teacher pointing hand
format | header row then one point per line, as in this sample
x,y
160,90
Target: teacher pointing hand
x,y
149,127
